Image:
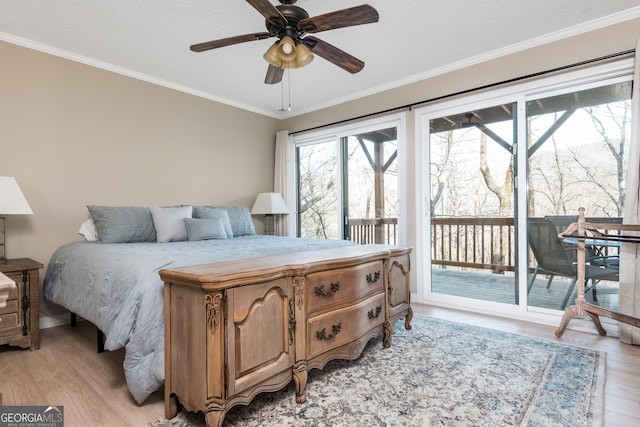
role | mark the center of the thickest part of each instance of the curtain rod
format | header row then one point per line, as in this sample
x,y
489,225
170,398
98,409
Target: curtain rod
x,y
475,89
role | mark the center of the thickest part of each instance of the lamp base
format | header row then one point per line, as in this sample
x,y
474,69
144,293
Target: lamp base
x,y
269,225
3,245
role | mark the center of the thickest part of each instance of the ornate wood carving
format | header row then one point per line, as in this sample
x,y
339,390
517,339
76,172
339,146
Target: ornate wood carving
x,y
292,322
214,305
298,286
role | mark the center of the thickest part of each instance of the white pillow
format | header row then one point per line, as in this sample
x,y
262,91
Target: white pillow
x,y
169,223
88,230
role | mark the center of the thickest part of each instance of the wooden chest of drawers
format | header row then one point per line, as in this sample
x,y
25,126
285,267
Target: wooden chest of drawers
x,y
236,329
19,318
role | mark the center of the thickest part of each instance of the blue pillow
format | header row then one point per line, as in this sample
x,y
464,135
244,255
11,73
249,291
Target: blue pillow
x,y
241,222
205,229
123,224
212,212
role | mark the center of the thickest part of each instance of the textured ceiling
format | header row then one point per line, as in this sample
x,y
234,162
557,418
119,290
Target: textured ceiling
x,y
150,39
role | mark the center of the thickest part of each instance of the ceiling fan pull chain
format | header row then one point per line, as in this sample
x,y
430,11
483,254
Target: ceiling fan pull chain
x,y
289,81
282,109
282,96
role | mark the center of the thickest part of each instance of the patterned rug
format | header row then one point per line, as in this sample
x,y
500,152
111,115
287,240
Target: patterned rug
x,y
439,374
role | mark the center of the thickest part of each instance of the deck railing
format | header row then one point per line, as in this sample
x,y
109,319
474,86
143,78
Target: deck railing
x,y
485,243
373,230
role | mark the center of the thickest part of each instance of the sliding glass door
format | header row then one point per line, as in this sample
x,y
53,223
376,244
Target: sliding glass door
x,y
472,203
348,184
502,179
577,155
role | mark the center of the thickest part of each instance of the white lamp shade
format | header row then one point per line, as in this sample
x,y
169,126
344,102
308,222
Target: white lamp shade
x,y
269,204
12,201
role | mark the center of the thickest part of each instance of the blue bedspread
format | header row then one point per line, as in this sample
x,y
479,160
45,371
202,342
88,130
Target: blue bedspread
x,y
116,287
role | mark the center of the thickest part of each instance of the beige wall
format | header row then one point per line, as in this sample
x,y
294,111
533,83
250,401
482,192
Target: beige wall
x,y
594,44
74,135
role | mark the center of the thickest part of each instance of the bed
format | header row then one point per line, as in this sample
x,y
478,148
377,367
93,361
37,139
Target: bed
x,y
115,284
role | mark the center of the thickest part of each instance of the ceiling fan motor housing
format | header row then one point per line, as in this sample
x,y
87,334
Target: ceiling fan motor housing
x,y
294,15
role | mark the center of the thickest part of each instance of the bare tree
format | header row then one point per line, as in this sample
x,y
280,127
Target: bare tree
x,y
504,190
441,170
317,190
615,145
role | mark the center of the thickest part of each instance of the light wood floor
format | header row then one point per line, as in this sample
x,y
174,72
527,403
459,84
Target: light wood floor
x,y
67,371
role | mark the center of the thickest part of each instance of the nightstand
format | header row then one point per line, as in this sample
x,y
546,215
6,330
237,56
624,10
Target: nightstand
x,y
20,325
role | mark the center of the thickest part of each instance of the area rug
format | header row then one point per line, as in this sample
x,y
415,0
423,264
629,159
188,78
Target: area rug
x,y
439,373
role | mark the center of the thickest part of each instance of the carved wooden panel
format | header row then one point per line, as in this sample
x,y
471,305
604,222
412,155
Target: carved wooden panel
x,y
258,333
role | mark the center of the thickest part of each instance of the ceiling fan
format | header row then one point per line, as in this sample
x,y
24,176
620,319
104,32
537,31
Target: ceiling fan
x,y
290,24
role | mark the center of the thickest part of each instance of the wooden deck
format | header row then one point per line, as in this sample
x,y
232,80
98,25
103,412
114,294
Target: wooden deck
x,y
502,288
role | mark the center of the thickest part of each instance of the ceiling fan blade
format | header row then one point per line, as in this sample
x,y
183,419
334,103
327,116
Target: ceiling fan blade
x,y
357,15
268,10
332,54
274,75
214,44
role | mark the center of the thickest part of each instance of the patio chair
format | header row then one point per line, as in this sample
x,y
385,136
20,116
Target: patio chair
x,y
557,259
595,255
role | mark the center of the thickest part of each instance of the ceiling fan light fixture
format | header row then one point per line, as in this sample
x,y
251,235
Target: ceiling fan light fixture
x,y
303,55
272,57
289,65
287,49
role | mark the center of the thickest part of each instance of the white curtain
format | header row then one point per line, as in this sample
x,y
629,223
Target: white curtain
x,y
284,183
630,253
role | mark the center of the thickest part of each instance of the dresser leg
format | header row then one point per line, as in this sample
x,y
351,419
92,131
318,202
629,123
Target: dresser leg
x,y
214,418
171,406
387,329
300,379
407,320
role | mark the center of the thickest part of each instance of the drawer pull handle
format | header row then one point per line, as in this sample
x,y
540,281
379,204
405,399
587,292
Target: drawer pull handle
x,y
373,277
322,293
322,335
374,315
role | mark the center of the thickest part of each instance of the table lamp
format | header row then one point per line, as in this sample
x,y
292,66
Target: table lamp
x,y
12,202
269,205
